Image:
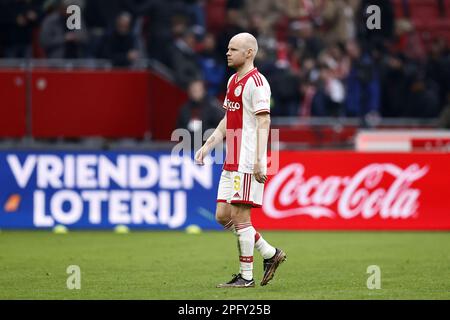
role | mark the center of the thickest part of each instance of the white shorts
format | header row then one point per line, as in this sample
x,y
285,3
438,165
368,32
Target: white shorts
x,y
238,187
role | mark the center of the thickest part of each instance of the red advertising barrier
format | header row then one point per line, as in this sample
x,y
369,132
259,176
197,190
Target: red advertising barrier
x,y
357,191
81,103
12,103
166,100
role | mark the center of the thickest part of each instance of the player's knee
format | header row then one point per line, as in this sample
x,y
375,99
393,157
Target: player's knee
x,y
240,212
221,220
222,215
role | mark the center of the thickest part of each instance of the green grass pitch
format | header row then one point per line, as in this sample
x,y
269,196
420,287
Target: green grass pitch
x,y
175,265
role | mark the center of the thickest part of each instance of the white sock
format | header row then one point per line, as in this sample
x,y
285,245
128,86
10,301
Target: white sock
x,y
263,247
246,234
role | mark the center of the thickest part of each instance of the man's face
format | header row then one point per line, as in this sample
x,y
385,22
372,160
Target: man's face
x,y
123,24
197,91
236,54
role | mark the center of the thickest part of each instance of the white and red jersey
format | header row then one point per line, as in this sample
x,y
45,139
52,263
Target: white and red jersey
x,y
244,100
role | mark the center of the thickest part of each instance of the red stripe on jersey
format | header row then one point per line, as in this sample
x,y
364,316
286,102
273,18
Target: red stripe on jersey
x,y
257,236
258,81
243,188
249,186
254,79
246,186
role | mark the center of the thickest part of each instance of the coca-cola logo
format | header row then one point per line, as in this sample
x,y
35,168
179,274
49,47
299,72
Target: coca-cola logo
x,y
291,193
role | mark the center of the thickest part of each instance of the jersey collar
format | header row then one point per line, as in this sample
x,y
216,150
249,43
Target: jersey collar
x,y
245,75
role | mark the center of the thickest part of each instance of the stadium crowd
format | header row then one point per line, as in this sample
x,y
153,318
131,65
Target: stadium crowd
x,y
319,56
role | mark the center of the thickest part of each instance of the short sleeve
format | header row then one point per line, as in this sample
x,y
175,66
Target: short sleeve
x,y
261,99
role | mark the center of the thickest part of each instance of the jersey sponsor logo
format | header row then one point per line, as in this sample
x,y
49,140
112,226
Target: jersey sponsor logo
x,y
233,106
238,90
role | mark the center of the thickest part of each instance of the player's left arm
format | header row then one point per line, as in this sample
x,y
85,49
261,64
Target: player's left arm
x,y
262,136
260,96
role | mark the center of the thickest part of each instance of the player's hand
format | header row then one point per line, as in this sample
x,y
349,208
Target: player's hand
x,y
198,159
259,175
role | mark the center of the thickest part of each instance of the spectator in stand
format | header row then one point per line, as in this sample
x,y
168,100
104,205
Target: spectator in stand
x,y
309,74
264,33
157,29
201,112
303,37
438,68
285,86
266,13
196,9
339,20
298,10
121,46
233,25
334,57
422,99
185,63
408,41
394,80
100,17
444,117
20,17
440,5
236,4
59,42
330,94
213,66
362,83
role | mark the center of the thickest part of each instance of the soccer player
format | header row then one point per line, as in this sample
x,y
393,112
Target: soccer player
x,y
246,129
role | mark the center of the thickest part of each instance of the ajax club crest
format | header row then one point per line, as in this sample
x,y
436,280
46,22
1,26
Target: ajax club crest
x,y
238,91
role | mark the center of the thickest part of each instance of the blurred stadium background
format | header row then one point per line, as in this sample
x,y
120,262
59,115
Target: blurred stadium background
x,y
86,119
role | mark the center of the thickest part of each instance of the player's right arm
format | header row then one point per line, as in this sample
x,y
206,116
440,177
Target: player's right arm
x,y
217,137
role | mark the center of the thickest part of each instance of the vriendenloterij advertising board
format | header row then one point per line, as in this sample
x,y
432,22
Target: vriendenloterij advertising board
x,y
101,190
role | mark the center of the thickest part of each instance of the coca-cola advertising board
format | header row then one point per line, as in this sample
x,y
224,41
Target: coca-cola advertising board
x,y
357,191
